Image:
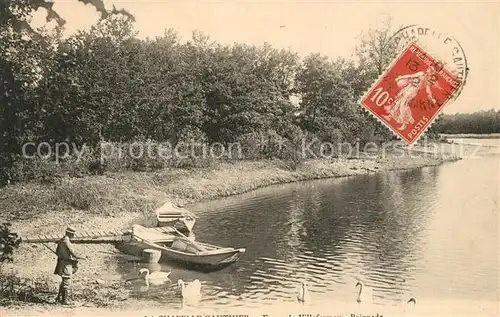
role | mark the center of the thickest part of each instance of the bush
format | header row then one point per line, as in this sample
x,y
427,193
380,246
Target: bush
x,y
41,290
39,170
251,145
15,288
154,156
8,242
50,171
95,167
270,145
77,195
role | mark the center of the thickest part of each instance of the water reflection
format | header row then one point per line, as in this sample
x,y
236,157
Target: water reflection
x,y
412,233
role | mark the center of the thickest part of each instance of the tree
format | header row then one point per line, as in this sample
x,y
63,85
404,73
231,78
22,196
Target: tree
x,y
328,106
433,131
376,50
480,122
15,14
247,90
21,47
375,53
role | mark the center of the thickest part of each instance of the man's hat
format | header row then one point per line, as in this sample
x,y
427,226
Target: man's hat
x,y
70,230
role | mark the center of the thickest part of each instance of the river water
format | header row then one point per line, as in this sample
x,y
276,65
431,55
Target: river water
x,y
431,234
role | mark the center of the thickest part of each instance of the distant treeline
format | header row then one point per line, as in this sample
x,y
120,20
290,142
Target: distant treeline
x,y
481,122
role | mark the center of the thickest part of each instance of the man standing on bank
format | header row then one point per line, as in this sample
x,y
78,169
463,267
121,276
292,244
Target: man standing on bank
x,y
67,265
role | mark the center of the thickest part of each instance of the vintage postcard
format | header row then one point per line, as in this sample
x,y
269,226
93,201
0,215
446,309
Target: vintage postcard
x,y
249,158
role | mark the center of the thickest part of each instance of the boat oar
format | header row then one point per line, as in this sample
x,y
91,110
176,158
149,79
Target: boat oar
x,y
200,247
110,252
180,233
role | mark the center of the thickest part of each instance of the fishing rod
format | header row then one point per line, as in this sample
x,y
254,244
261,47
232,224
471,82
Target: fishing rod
x,y
49,248
56,252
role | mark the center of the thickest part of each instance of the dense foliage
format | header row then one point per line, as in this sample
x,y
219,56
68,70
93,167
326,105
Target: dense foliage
x,y
481,122
106,85
8,241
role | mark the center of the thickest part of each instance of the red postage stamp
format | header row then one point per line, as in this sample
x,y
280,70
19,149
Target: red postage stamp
x,y
411,93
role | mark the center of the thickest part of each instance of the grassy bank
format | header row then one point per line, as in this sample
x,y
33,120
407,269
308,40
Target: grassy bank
x,y
116,200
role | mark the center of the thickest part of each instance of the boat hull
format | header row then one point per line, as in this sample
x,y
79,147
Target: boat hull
x,y
210,261
193,255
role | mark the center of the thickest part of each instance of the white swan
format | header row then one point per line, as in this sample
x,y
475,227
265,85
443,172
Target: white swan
x,y
303,295
366,296
155,278
192,291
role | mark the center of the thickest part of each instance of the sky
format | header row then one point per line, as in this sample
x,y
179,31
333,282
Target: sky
x,y
327,27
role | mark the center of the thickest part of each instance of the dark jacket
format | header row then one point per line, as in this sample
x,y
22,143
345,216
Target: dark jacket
x,y
67,260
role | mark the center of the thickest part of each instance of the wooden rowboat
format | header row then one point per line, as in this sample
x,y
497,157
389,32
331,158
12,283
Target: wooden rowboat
x,y
181,219
175,247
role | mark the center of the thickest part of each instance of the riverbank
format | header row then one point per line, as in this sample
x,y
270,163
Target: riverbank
x,y
116,200
471,136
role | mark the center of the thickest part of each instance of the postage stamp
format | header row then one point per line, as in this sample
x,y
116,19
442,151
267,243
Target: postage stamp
x,y
411,93
441,45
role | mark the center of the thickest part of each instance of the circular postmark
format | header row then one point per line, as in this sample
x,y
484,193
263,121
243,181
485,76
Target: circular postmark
x,y
442,47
